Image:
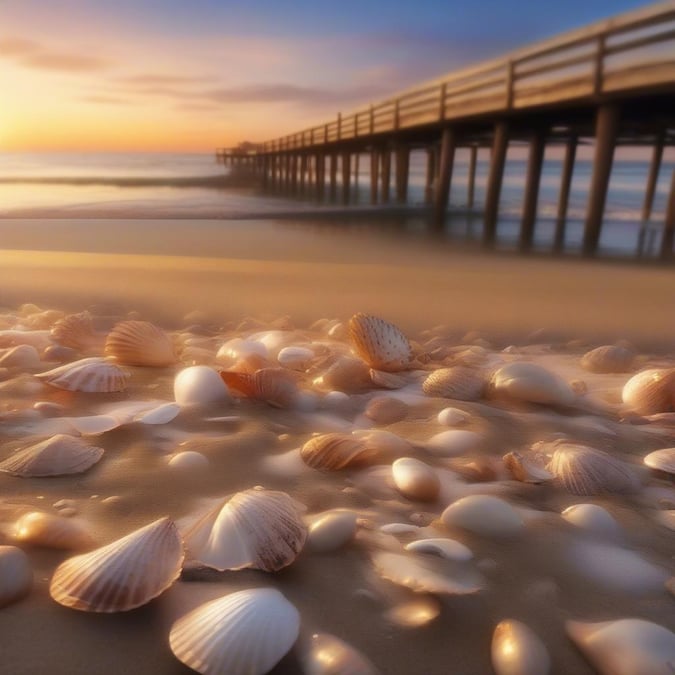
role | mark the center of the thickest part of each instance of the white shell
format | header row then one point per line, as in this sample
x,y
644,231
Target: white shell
x,y
244,633
328,655
21,356
16,576
608,359
295,358
517,650
56,456
45,529
140,343
125,574
454,442
452,417
255,528
651,391
415,479
162,414
525,470
445,548
379,343
592,519
414,613
661,460
199,385
484,515
94,374
386,410
239,348
530,382
626,646
331,531
457,382
189,460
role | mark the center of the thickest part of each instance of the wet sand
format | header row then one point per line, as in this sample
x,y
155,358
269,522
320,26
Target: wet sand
x,y
165,270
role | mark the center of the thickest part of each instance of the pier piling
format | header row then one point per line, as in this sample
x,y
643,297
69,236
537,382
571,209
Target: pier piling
x,y
532,181
563,200
494,187
448,145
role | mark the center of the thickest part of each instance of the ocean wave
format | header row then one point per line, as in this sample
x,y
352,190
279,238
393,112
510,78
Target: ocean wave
x,y
210,181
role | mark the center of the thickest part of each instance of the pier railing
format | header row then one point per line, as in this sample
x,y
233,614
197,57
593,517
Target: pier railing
x,y
627,53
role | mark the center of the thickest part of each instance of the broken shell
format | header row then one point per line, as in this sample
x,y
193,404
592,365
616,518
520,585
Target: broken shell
x,y
16,576
56,456
484,515
386,410
583,470
454,442
125,574
244,633
331,531
592,519
415,479
328,655
275,386
517,650
77,332
661,460
625,647
51,531
256,528
443,547
94,374
379,343
532,383
458,382
335,451
608,359
140,343
525,470
651,391
199,385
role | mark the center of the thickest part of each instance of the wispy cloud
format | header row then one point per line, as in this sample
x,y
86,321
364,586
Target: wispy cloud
x,y
103,99
154,79
35,55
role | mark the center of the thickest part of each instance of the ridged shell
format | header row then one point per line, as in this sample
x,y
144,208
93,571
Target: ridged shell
x,y
625,647
415,479
485,515
77,332
335,451
51,531
386,410
517,650
244,633
661,460
125,574
386,380
583,470
525,470
275,386
56,456
94,374
458,382
379,343
346,374
16,575
651,391
530,382
256,528
328,655
608,359
140,343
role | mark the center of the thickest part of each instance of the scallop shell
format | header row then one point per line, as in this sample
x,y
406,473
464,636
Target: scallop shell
x,y
525,470
45,529
335,451
651,391
331,531
415,479
125,574
443,547
244,633
328,655
386,380
256,528
16,575
199,385
517,650
586,471
94,374
608,359
661,460
77,332
379,343
625,647
55,456
532,383
458,382
386,410
484,515
346,374
140,343
275,386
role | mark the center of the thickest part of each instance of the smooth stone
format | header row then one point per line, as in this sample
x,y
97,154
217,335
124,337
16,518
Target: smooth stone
x,y
331,531
484,515
452,417
22,356
295,358
415,479
189,460
199,385
16,575
592,519
517,650
454,442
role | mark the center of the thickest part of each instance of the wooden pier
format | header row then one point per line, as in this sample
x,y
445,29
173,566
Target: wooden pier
x,y
609,84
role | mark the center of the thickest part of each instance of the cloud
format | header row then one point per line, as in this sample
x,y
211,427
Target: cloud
x,y
34,55
152,79
114,100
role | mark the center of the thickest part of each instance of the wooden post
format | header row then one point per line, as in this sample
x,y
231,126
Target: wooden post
x,y
333,175
669,226
402,166
357,159
448,145
497,160
654,169
294,174
430,174
563,200
320,176
264,168
534,164
606,129
386,175
473,157
374,173
346,177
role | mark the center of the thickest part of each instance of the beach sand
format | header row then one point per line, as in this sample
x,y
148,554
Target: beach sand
x,y
223,273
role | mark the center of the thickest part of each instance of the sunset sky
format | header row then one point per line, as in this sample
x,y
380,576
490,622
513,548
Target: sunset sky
x,y
195,74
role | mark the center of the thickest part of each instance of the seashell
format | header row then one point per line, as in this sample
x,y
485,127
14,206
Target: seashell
x,y
415,479
517,650
445,548
140,343
583,470
45,529
399,528
386,410
625,647
244,633
458,382
384,442
94,374
385,380
592,519
125,574
379,343
238,348
651,391
523,381
275,386
414,613
666,518
328,655
77,332
21,356
295,358
331,531
484,515
199,385
335,451
189,460
525,470
661,460
452,417
55,456
93,424
16,575
346,374
608,359
162,414
335,400
454,442
256,528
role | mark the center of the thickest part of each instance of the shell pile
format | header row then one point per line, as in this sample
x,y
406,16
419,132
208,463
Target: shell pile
x,y
376,511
